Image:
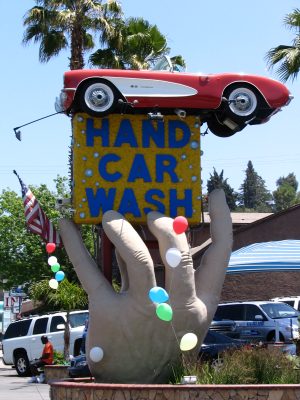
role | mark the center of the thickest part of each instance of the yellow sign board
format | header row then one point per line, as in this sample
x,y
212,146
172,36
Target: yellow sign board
x,y
134,165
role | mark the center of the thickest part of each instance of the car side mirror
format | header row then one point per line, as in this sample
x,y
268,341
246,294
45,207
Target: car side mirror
x,y
60,327
258,317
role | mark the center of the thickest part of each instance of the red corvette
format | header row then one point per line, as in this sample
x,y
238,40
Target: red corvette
x,y
227,102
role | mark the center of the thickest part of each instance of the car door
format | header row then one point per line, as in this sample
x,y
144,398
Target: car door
x,y
56,334
257,324
35,343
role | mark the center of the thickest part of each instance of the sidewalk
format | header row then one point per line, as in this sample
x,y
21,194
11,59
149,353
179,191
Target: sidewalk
x,y
13,387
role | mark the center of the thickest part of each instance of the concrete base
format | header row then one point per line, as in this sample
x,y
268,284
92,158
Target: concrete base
x,y
55,372
78,390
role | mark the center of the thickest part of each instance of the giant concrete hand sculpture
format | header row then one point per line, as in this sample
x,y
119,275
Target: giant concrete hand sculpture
x,y
138,347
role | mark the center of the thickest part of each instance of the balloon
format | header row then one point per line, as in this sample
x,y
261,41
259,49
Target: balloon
x,y
53,283
188,341
52,260
96,354
59,276
158,295
164,312
173,257
50,247
55,267
180,224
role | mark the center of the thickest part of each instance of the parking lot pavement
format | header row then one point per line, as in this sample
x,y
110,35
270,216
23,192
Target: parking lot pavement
x,y
13,387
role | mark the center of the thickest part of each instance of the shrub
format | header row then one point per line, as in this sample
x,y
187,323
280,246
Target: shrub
x,y
242,366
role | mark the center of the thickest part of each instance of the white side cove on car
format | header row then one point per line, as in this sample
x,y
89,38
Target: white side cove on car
x,y
150,87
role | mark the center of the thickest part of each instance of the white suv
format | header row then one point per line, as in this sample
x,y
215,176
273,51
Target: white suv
x,y
22,339
265,321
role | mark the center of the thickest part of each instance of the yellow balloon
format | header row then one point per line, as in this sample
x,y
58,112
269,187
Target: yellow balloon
x,y
53,283
188,341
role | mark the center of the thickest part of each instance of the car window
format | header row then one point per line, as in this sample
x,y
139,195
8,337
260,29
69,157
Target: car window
x,y
40,326
78,319
17,329
56,320
251,311
232,311
279,310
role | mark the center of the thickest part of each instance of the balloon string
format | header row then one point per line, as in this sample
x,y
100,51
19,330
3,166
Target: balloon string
x,y
184,361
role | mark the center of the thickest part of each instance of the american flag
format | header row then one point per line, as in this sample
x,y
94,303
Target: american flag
x,y
36,220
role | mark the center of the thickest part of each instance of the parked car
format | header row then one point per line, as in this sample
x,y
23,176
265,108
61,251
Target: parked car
x,y
215,343
259,320
226,327
228,102
79,367
293,301
22,339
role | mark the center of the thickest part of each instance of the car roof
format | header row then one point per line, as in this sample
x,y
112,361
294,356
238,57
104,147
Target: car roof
x,y
256,302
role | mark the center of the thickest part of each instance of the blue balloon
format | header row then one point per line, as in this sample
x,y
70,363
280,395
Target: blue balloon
x,y
158,295
59,276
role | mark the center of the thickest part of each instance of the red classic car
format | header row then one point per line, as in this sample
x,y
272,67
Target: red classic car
x,y
227,102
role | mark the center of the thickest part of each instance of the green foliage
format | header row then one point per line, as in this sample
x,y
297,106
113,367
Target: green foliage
x,y
23,257
59,359
287,57
135,44
253,192
62,24
217,181
243,366
68,296
285,195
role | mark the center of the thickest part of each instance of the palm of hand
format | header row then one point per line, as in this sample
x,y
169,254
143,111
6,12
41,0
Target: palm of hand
x,y
138,346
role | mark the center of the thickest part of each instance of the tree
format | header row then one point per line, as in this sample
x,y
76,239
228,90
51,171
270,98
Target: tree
x,y
22,254
62,24
135,44
217,181
290,180
287,57
68,296
253,193
285,195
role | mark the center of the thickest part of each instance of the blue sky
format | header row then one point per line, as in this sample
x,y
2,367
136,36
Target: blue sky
x,y
212,36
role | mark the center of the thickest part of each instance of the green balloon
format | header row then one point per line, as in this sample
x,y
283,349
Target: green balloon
x,y
164,312
55,267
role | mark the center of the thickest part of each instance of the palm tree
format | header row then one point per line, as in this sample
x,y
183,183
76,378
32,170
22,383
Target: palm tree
x,y
288,57
135,44
62,24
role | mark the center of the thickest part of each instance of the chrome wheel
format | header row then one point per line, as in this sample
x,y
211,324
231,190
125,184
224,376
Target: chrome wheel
x,y
242,102
98,98
22,364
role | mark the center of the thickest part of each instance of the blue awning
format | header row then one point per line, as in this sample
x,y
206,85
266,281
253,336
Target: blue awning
x,y
282,255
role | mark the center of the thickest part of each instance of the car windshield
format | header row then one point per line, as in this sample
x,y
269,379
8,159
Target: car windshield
x,y
163,64
279,310
78,319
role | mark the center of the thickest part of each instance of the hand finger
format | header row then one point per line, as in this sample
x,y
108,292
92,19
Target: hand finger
x,y
209,276
87,270
133,251
123,272
179,280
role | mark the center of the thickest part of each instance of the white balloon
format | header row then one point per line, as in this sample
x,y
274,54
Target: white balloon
x,y
53,283
96,354
173,257
52,260
188,341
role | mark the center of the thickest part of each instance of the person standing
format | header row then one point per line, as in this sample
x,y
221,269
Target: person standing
x,y
45,359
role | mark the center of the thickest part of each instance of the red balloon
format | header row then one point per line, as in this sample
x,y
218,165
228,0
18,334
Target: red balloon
x,y
50,247
180,224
